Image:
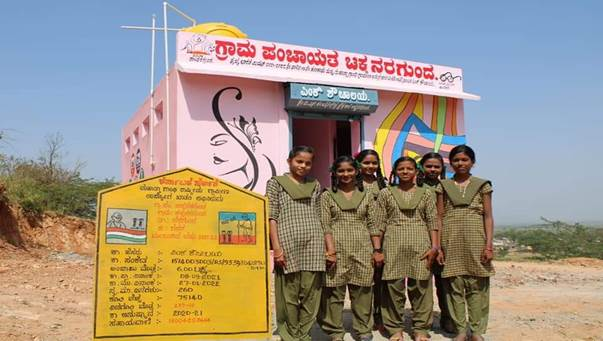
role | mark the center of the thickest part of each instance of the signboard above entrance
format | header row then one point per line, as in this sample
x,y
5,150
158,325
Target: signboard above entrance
x,y
324,98
225,56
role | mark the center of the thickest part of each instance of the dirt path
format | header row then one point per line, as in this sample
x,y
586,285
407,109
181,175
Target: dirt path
x,y
46,296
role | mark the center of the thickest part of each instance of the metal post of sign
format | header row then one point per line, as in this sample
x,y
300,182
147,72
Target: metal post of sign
x,y
166,5
167,87
152,95
182,14
144,28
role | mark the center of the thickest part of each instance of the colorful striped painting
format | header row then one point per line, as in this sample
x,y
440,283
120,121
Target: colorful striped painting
x,y
418,124
125,236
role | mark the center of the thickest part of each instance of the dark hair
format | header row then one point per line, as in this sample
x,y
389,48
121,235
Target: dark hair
x,y
300,149
431,155
379,174
337,163
393,178
463,148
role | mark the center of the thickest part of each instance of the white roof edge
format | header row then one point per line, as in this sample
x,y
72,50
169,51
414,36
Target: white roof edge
x,y
462,95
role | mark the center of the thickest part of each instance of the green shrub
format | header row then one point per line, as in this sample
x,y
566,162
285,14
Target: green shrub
x,y
46,185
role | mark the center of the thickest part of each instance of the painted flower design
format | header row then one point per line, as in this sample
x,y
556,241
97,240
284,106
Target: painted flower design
x,y
249,129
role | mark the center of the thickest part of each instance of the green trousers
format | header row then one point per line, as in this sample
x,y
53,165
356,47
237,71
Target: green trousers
x,y
330,317
297,298
472,293
420,294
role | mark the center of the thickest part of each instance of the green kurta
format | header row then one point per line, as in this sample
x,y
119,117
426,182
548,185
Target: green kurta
x,y
463,235
351,230
372,189
407,235
299,230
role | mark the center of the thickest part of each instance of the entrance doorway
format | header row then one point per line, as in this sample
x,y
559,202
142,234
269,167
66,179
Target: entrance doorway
x,y
330,138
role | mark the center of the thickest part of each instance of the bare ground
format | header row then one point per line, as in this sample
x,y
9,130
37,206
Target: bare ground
x,y
48,296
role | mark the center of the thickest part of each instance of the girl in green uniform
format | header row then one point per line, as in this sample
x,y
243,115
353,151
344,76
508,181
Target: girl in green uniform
x,y
465,201
346,216
407,215
298,242
373,181
432,170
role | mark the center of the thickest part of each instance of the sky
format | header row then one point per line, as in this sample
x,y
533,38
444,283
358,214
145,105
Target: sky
x,y
66,66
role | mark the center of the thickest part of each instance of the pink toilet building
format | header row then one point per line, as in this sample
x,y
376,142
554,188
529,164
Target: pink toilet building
x,y
234,107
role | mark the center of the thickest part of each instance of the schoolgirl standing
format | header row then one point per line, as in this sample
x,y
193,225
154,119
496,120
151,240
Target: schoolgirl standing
x,y
432,170
350,237
298,242
465,201
373,182
407,215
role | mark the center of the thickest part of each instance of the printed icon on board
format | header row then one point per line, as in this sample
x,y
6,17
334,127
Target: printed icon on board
x,y
126,226
237,228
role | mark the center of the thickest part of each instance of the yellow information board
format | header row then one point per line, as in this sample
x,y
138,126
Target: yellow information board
x,y
181,256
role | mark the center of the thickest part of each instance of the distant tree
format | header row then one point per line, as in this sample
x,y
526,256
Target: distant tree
x,y
5,137
45,184
557,239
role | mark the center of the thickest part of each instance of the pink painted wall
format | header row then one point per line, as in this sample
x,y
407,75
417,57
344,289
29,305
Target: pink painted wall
x,y
175,107
244,140
136,159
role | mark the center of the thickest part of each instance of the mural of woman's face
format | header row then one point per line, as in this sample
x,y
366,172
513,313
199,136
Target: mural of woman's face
x,y
218,155
233,148
228,158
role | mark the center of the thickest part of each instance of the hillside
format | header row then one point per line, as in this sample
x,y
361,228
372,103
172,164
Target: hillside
x,y
46,231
